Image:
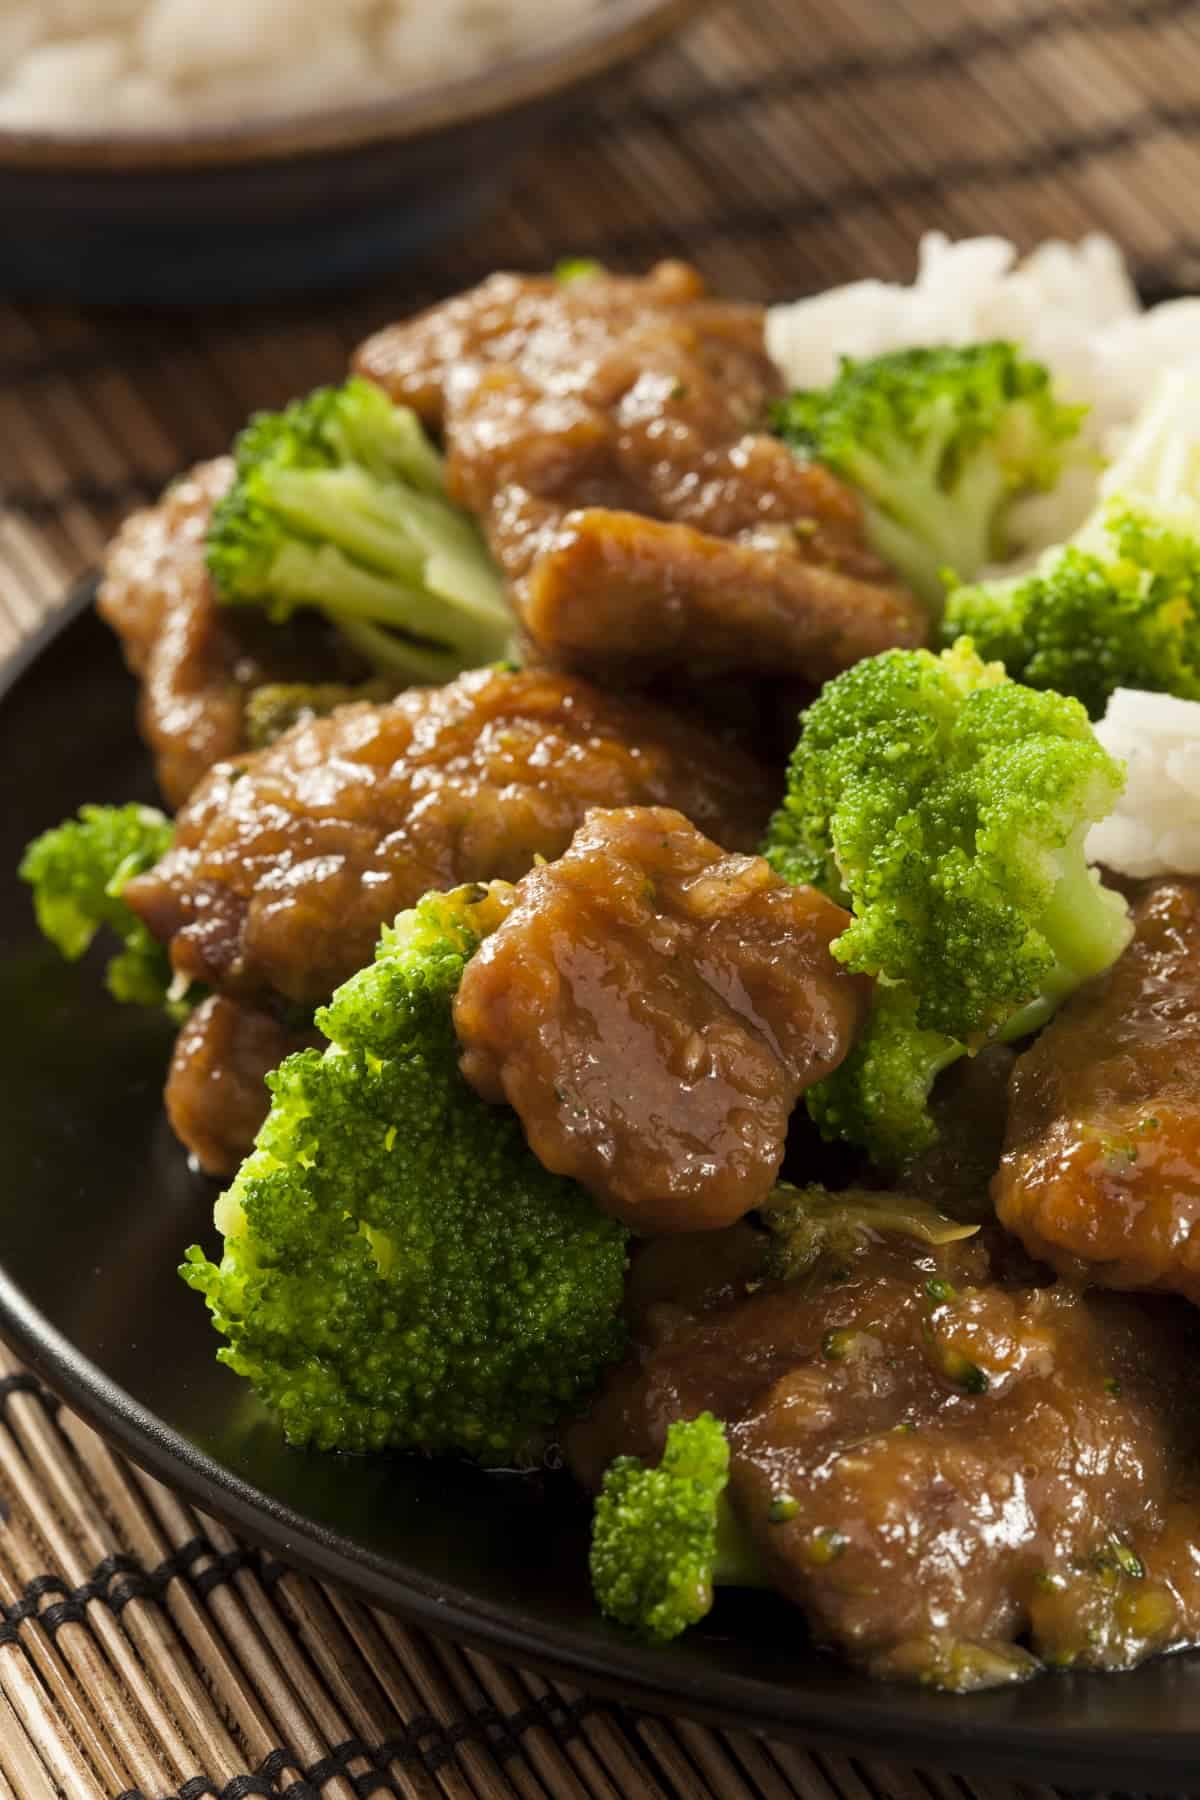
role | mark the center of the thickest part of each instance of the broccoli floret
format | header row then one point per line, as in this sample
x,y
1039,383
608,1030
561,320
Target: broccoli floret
x,y
1119,606
1087,624
339,503
399,1269
663,1537
881,1101
937,443
946,805
77,871
276,706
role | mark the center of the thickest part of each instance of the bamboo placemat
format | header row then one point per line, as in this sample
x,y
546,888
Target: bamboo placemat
x,y
784,145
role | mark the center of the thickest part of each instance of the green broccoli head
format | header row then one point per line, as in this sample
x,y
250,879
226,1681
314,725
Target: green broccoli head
x,y
77,871
1088,621
338,503
662,1538
878,1097
399,1269
937,443
946,805
1119,605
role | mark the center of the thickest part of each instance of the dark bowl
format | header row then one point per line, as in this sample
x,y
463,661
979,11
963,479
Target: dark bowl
x,y
269,206
96,1206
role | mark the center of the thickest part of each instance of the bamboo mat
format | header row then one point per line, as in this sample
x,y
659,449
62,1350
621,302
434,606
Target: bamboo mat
x,y
783,144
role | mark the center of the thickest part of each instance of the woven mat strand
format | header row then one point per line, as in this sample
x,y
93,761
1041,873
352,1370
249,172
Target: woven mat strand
x,y
784,145
144,1652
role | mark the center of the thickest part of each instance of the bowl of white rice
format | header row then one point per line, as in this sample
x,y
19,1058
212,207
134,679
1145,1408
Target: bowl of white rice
x,y
195,150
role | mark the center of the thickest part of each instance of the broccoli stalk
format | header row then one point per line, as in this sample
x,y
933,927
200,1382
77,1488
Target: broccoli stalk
x,y
1119,605
399,1269
938,444
77,871
664,1537
947,806
339,503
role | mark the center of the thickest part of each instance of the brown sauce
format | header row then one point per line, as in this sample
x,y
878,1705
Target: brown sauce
x,y
936,1466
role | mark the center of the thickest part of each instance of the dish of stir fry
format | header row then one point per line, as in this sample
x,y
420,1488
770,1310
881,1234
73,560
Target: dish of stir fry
x,y
680,906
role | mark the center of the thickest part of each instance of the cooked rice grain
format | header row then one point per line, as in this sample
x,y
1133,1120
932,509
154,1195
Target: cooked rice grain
x,y
1071,306
96,65
1155,829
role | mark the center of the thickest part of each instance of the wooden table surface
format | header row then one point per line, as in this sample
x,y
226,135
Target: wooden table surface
x,y
783,145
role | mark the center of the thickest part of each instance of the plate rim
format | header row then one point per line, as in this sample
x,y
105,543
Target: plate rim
x,y
873,1720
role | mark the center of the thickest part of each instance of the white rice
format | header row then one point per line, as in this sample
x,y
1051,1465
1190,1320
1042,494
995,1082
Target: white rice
x,y
1071,306
1155,829
95,65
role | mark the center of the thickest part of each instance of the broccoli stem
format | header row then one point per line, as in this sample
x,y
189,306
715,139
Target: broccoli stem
x,y
908,513
930,518
355,599
1086,924
352,509
390,444
426,573
1027,1019
737,1562
339,503
391,655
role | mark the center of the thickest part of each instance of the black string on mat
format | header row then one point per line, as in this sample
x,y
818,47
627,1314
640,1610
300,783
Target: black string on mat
x,y
784,145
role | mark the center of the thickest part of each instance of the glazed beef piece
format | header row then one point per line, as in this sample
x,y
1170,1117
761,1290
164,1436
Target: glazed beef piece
x,y
561,336
608,433
286,862
929,1463
616,595
1101,1170
652,1009
216,1095
197,660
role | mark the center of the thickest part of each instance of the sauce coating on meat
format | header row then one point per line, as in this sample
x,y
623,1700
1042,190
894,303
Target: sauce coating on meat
x,y
216,1095
197,660
929,1463
286,862
608,433
1101,1169
652,1008
557,333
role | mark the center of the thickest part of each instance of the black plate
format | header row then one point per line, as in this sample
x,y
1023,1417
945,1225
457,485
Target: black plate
x,y
98,1204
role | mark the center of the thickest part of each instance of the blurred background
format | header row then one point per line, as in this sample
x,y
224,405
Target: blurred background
x,y
784,145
